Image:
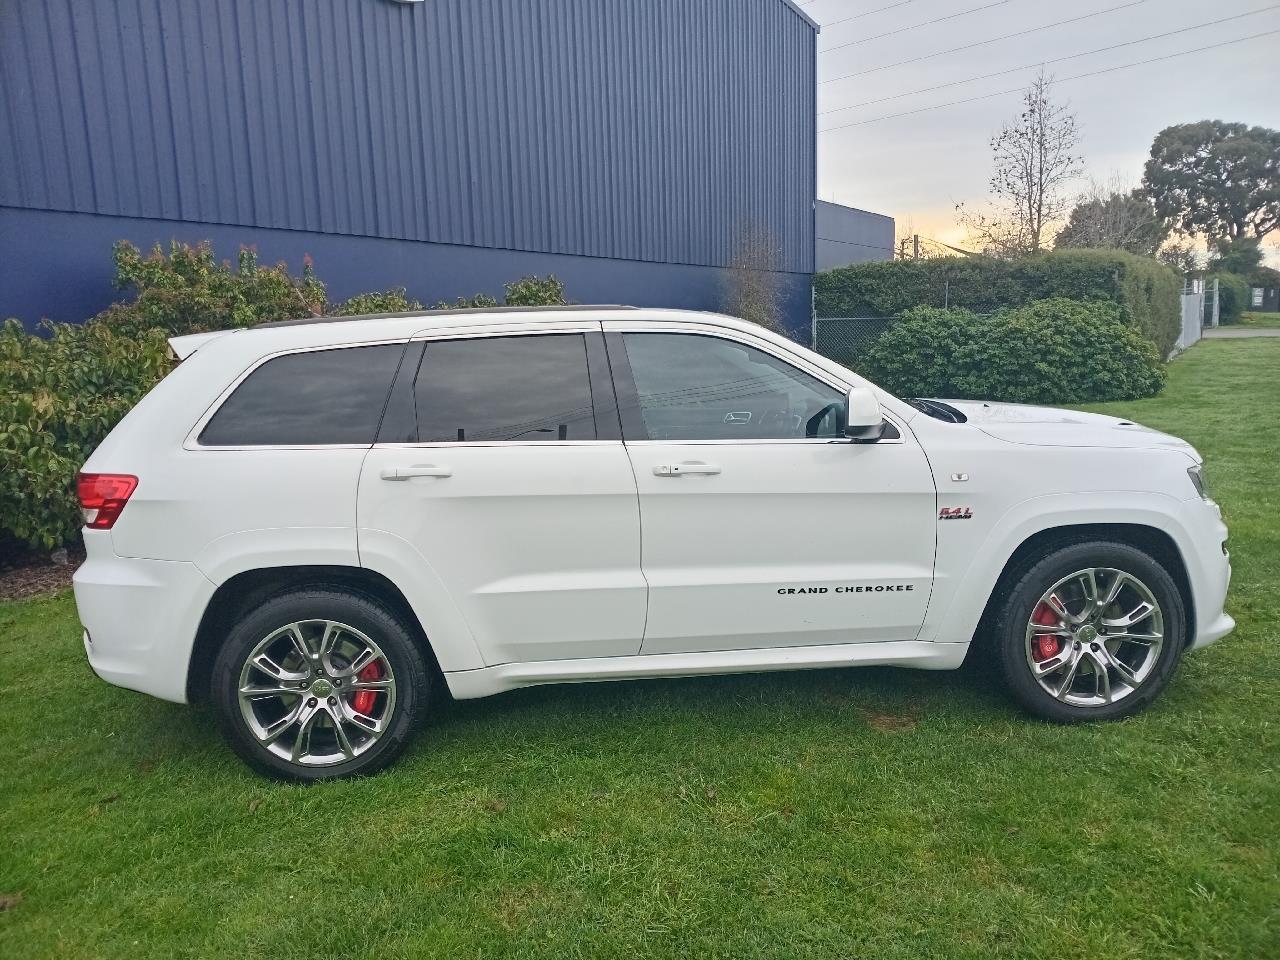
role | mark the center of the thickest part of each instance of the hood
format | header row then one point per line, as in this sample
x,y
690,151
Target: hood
x,y
1053,427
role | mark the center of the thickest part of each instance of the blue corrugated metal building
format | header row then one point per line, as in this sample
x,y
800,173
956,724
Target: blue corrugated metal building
x,y
446,146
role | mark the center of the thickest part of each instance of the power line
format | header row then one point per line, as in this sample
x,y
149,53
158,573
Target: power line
x,y
1078,76
1044,63
982,43
855,243
859,16
916,26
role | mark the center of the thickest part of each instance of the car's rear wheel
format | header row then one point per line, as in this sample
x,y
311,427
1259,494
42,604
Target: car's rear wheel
x,y
1094,631
318,684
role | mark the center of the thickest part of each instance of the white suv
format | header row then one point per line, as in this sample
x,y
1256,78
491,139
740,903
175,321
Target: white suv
x,y
314,523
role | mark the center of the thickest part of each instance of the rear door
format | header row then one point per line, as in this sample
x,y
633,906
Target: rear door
x,y
508,477
762,525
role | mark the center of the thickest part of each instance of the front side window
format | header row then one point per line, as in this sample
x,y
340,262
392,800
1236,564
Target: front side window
x,y
316,398
493,389
695,387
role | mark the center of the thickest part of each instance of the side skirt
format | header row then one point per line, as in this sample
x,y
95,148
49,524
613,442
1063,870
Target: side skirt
x,y
467,684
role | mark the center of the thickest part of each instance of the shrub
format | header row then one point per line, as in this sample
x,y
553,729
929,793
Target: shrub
x,y
915,357
1050,351
388,301
1145,290
59,396
535,292
467,303
1233,296
189,290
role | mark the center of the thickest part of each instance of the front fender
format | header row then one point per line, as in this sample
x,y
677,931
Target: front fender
x,y
967,573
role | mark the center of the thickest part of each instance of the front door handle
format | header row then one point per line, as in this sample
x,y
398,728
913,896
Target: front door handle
x,y
417,470
680,469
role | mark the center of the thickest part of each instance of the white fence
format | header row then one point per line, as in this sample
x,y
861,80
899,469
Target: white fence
x,y
1199,310
1192,318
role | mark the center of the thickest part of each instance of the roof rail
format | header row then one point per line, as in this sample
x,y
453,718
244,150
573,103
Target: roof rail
x,y
442,313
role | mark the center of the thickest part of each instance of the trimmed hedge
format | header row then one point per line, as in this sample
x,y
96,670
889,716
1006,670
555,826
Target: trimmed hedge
x,y
1145,290
1049,351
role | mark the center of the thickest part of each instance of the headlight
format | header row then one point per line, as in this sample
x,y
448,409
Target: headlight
x,y
1198,481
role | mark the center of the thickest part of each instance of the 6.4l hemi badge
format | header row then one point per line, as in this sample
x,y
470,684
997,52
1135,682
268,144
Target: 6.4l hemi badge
x,y
955,513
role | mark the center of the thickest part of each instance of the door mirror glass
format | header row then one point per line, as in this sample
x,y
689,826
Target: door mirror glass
x,y
864,421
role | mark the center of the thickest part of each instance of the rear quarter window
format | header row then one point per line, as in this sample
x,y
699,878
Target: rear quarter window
x,y
315,398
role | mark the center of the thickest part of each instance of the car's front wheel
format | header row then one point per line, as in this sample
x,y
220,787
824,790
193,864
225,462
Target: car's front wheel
x,y
318,684
1094,631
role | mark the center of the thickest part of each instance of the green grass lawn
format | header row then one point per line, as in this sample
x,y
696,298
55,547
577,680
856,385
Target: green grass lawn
x,y
872,813
1260,320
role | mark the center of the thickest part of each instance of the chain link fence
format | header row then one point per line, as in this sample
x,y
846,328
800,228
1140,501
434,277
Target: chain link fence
x,y
847,338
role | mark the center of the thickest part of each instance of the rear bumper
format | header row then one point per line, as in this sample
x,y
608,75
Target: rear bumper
x,y
140,617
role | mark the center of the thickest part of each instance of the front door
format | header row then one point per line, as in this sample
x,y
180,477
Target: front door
x,y
515,491
762,526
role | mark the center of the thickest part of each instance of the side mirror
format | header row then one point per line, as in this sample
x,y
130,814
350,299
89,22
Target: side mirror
x,y
864,421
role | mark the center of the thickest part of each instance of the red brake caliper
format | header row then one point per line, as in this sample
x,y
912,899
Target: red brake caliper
x,y
1045,646
364,700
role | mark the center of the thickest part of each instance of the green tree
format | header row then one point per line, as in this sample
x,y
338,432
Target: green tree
x,y
1182,256
1242,256
1215,179
1113,220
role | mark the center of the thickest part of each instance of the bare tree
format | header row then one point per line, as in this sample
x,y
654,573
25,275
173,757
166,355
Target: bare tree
x,y
1035,159
1182,256
752,290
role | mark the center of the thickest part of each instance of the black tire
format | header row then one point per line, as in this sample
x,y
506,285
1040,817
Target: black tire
x,y
1010,640
399,648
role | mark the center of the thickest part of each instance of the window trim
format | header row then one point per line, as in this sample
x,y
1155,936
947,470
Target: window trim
x,y
634,430
192,440
604,401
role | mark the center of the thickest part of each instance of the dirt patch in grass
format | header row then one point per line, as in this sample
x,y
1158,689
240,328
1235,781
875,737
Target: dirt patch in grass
x,y
888,722
30,575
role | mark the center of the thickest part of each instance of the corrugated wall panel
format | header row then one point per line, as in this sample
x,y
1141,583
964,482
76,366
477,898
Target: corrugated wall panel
x,y
654,130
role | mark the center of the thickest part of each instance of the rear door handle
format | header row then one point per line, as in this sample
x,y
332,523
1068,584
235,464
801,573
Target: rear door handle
x,y
417,470
680,469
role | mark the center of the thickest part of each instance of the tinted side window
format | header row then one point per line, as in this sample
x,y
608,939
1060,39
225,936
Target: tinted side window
x,y
505,388
693,387
318,397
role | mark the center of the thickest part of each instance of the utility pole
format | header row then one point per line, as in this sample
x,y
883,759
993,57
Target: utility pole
x,y
915,242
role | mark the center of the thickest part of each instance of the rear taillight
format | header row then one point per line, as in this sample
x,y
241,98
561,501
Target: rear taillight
x,y
103,496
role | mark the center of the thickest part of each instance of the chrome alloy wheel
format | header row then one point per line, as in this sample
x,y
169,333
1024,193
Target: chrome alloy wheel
x,y
317,692
1094,637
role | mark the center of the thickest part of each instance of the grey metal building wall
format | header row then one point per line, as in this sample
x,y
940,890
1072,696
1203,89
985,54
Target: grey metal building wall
x,y
647,130
848,235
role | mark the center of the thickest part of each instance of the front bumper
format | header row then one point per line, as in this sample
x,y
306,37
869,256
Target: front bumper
x,y
1210,572
140,617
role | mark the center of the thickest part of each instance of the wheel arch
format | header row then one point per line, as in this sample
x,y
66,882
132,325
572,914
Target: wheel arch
x,y
250,588
1153,541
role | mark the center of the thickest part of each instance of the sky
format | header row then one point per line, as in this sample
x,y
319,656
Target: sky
x,y
917,167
